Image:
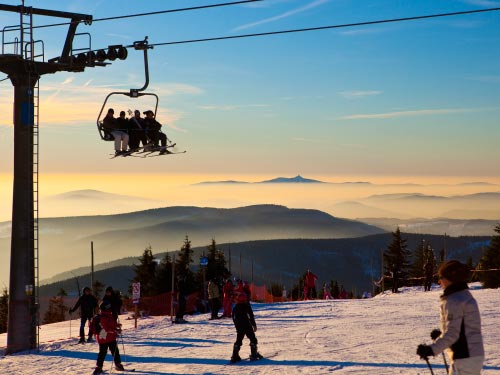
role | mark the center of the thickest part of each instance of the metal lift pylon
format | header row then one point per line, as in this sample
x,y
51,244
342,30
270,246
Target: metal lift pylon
x,y
24,70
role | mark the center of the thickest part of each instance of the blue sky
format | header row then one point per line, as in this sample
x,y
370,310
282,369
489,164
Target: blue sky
x,y
411,98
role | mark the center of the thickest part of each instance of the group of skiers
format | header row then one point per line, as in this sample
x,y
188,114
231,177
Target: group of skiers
x,y
105,325
460,331
129,133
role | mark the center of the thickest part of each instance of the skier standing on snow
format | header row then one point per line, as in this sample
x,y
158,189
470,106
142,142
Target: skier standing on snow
x,y
87,303
429,275
326,291
460,323
114,299
245,325
214,298
227,291
310,282
107,330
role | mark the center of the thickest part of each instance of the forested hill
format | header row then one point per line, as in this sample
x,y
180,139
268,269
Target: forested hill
x,y
353,262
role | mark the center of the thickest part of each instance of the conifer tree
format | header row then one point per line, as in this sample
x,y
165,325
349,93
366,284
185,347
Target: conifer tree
x,y
491,261
216,267
163,278
57,309
396,260
182,266
145,272
417,267
4,310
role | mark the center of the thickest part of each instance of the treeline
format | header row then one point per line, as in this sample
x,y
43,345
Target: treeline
x,y
403,266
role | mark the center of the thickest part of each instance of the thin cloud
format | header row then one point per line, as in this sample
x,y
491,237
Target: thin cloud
x,y
421,112
357,94
68,80
290,13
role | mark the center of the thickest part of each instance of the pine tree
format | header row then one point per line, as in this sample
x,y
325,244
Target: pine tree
x,y
182,266
145,272
491,261
57,309
163,278
4,310
216,267
396,260
417,267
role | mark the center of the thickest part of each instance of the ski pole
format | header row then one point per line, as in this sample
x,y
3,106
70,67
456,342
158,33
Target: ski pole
x,y
70,318
123,346
433,337
428,364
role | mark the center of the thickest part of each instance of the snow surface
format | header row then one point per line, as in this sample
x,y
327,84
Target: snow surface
x,y
368,336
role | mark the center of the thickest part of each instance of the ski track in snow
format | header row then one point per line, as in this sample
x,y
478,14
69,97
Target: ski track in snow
x,y
369,336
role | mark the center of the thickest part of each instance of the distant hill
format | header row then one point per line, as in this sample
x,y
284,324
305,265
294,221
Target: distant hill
x,y
437,226
278,180
353,262
65,242
484,206
292,180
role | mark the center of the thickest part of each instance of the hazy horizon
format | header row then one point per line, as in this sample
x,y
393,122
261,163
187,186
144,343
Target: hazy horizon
x,y
148,191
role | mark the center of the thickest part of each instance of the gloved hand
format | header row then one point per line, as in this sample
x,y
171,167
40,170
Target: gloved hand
x,y
435,334
424,351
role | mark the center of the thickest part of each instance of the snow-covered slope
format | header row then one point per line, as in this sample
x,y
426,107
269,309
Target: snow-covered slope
x,y
369,336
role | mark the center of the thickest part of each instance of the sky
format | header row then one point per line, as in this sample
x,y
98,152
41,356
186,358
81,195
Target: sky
x,y
342,337
409,100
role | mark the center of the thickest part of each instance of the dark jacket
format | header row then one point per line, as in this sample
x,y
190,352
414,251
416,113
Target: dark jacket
x,y
87,304
243,315
151,124
116,303
109,123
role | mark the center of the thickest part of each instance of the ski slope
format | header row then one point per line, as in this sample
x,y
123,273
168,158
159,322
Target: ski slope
x,y
368,336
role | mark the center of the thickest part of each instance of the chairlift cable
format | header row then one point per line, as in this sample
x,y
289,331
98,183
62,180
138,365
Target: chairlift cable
x,y
355,24
154,13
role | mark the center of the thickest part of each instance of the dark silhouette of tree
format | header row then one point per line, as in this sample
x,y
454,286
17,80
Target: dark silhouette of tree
x,y
491,261
145,272
396,260
216,267
163,279
182,266
57,309
4,310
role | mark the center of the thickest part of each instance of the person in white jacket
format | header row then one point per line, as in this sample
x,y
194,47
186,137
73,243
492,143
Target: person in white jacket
x,y
460,323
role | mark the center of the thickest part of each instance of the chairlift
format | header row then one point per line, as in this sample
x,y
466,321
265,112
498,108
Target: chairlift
x,y
133,93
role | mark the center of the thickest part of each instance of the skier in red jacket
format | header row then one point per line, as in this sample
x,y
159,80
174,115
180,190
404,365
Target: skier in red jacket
x,y
106,330
310,282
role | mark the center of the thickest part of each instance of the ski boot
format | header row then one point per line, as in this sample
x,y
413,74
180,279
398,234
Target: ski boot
x,y
82,340
119,367
254,354
97,371
236,356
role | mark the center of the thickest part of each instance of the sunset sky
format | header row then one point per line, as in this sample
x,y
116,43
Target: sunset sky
x,y
407,100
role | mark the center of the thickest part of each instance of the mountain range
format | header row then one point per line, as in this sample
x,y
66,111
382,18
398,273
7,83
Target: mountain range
x,y
65,242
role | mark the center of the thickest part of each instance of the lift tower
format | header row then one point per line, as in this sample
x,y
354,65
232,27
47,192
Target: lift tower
x,y
24,66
